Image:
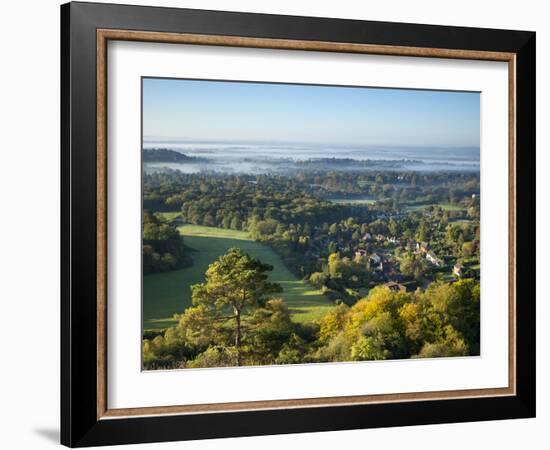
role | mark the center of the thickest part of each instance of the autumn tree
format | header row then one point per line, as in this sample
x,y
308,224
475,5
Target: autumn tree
x,y
441,321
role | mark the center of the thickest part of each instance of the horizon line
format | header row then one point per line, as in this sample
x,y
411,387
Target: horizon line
x,y
174,139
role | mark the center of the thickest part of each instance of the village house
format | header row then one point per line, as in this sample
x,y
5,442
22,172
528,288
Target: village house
x,y
376,262
395,287
422,247
458,270
430,256
367,237
360,253
376,259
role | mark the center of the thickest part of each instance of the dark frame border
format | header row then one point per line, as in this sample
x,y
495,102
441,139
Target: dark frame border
x,y
79,261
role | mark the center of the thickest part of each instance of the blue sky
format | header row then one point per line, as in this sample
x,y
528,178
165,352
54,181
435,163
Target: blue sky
x,y
236,111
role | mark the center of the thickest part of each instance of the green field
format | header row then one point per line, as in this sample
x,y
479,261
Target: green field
x,y
461,221
444,206
354,201
167,293
168,216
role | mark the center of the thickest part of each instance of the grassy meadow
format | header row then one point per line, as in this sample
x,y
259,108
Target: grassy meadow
x,y
168,293
444,206
354,201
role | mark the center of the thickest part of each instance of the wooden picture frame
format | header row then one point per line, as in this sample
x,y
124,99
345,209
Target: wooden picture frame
x,y
86,418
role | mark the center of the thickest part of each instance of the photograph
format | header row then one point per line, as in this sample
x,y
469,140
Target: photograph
x,y
298,224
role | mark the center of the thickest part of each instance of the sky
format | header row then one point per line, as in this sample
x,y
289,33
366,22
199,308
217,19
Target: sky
x,y
265,112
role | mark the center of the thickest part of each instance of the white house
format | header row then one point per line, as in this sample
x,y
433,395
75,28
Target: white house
x,y
376,259
433,259
376,262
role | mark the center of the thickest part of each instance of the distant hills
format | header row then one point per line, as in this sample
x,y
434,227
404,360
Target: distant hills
x,y
166,155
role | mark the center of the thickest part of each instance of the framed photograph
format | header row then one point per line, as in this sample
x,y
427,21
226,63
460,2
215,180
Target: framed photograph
x,y
277,224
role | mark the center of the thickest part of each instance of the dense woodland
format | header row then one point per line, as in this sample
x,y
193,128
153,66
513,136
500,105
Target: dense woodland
x,y
399,258
163,247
